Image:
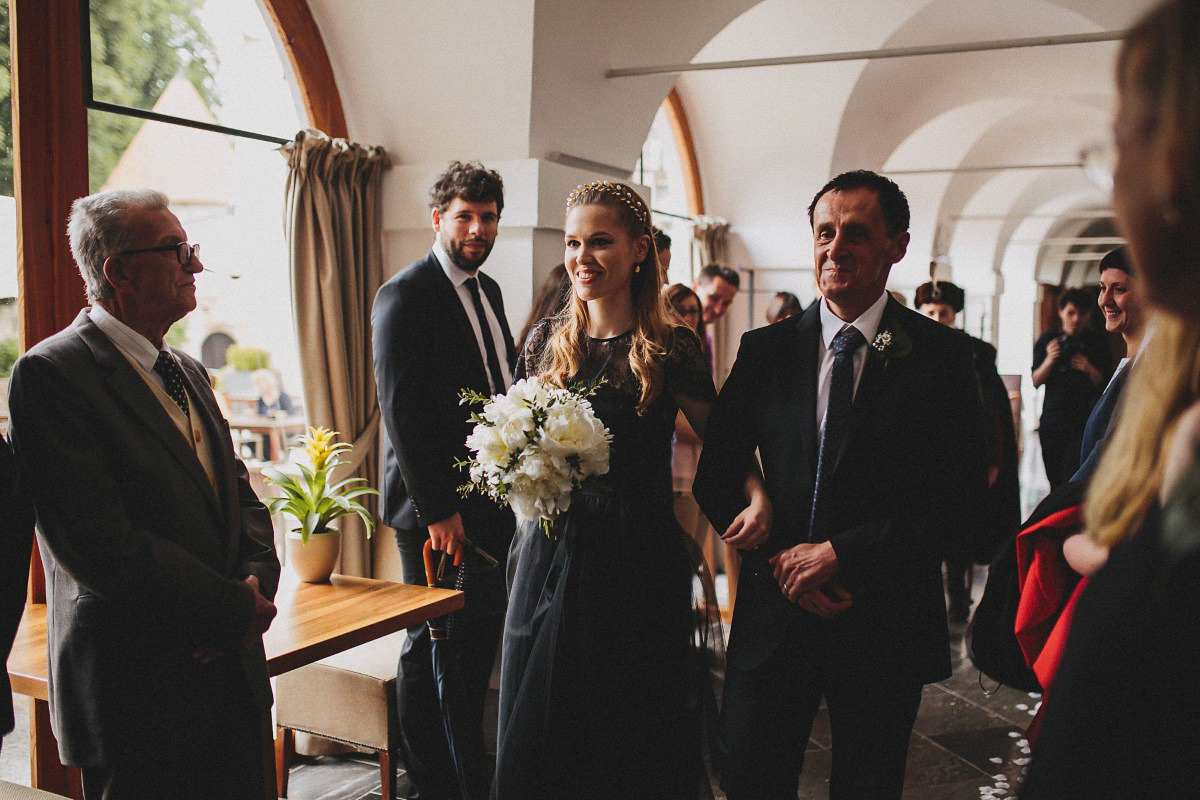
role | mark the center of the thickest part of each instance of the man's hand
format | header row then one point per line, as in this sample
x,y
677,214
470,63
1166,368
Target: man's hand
x,y
804,567
264,613
1080,362
828,601
750,528
1053,351
448,534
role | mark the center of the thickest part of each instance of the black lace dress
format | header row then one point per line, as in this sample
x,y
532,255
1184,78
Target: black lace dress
x,y
602,677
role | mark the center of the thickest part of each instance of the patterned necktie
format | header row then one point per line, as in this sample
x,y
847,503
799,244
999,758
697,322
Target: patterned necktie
x,y
837,418
489,344
172,376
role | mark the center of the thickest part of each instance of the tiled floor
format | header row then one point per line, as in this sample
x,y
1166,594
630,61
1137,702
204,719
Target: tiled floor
x,y
967,745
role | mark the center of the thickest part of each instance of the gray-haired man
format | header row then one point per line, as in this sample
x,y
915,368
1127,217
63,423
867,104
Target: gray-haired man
x,y
159,558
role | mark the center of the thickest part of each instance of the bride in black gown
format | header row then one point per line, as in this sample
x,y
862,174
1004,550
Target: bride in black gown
x,y
602,676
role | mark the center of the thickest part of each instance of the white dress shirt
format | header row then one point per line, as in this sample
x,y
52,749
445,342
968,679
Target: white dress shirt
x,y
831,325
459,277
137,348
142,355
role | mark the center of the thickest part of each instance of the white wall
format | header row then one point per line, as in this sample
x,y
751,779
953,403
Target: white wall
x,y
512,81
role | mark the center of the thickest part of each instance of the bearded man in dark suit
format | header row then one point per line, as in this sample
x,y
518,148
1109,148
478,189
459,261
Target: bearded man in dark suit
x,y
160,566
865,417
438,327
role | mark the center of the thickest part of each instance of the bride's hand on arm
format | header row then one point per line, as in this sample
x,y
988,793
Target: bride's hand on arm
x,y
751,527
1083,555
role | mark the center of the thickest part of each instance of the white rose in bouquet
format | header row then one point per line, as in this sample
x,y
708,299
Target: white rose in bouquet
x,y
533,446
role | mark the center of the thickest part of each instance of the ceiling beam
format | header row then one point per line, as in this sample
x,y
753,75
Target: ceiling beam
x,y
986,168
1090,214
872,55
1070,241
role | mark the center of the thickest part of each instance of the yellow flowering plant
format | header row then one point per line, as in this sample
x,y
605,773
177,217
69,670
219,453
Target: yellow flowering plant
x,y
312,498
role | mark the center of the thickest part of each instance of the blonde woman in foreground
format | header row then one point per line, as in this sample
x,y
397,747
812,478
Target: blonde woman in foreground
x,y
1123,720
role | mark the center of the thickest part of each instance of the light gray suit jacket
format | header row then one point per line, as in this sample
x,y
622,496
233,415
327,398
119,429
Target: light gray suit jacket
x,y
144,558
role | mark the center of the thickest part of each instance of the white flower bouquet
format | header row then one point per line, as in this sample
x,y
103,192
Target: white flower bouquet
x,y
533,446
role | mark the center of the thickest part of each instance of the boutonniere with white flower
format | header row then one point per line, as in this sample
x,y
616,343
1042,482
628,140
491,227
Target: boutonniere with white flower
x,y
533,446
891,343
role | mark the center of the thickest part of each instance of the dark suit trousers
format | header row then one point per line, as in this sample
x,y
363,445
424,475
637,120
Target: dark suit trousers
x,y
423,737
212,751
768,714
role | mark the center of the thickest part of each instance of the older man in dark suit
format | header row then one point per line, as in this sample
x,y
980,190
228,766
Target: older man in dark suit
x,y
438,328
159,558
865,417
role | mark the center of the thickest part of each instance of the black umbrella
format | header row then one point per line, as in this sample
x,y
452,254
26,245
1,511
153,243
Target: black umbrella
x,y
466,745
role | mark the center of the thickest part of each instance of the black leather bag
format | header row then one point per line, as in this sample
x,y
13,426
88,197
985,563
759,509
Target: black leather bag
x,y
991,637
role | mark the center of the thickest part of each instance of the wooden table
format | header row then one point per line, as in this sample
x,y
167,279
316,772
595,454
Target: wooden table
x,y
315,620
275,431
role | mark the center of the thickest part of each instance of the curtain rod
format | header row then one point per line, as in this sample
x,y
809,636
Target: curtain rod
x,y
154,116
89,100
870,55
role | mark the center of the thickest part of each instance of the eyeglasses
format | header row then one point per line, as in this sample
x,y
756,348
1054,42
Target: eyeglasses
x,y
1099,161
183,251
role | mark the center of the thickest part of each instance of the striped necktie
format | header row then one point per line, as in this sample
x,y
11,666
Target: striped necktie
x,y
837,419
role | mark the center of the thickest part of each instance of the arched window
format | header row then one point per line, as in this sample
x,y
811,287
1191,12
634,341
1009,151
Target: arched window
x,y
214,62
668,167
47,151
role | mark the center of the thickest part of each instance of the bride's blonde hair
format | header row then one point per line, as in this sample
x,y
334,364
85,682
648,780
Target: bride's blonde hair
x,y
566,349
1165,383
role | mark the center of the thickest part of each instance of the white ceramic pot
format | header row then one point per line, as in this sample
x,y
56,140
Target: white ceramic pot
x,y
313,562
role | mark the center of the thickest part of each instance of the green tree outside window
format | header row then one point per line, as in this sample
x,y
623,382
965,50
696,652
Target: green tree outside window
x,y
138,46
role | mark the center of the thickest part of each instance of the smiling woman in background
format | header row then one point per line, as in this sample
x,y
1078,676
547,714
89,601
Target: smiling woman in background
x,y
1122,718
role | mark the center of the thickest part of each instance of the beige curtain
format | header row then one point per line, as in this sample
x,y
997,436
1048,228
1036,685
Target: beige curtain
x,y
713,235
334,228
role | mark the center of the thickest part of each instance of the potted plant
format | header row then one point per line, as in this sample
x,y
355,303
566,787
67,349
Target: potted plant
x,y
316,501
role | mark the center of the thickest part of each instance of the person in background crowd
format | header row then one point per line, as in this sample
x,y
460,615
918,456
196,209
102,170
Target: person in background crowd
x,y
15,551
782,306
1073,363
716,286
685,305
942,301
662,243
865,416
271,399
160,564
687,445
1120,721
550,299
438,327
1120,303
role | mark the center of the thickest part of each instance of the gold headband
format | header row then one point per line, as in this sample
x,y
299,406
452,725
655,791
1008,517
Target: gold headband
x,y
619,191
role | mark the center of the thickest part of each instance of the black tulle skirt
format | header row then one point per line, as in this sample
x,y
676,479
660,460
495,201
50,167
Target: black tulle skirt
x,y
607,671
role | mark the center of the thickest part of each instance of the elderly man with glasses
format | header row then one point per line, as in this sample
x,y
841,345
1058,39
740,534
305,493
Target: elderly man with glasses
x,y
159,561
